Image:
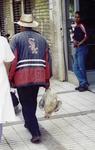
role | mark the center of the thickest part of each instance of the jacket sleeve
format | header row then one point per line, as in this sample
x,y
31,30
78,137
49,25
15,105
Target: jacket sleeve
x,y
48,71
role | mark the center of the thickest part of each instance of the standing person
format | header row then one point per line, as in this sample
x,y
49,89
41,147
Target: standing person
x,y
81,50
30,70
6,107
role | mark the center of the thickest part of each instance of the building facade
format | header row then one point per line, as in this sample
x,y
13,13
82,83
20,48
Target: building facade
x,y
50,25
55,19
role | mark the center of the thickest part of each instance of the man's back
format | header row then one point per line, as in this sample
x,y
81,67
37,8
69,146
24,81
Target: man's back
x,y
29,43
32,55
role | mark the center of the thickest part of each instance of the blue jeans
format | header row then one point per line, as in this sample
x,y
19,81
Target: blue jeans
x,y
79,65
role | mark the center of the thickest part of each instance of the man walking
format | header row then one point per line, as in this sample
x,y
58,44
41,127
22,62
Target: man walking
x,y
30,70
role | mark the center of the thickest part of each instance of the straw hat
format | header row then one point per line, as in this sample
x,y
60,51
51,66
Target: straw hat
x,y
26,20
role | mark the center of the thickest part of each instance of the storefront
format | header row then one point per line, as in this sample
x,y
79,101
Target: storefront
x,y
48,14
55,17
87,8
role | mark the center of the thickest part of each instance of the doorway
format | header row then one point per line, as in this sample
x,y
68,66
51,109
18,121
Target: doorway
x,y
87,8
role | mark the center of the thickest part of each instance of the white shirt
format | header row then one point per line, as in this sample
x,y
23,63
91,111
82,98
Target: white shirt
x,y
6,107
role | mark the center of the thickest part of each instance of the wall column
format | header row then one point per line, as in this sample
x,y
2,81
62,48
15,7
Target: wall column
x,y
57,39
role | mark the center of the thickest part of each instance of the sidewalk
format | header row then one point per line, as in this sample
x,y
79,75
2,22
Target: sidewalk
x,y
72,128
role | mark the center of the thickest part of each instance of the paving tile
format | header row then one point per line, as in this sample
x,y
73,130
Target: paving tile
x,y
92,116
68,99
68,143
51,128
88,121
67,129
4,147
85,142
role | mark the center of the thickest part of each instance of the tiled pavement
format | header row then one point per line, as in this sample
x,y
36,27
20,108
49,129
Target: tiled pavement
x,y
72,128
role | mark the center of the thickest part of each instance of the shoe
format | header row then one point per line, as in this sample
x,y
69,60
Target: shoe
x,y
36,139
77,88
82,89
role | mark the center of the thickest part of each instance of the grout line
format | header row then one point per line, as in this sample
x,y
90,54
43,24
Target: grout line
x,y
55,117
8,143
61,92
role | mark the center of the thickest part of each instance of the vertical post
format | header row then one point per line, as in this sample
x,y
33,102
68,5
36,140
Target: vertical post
x,y
57,39
65,37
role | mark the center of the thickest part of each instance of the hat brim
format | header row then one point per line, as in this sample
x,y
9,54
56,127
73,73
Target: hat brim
x,y
24,24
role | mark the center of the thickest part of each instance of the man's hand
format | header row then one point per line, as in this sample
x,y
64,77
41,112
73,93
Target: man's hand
x,y
76,43
47,85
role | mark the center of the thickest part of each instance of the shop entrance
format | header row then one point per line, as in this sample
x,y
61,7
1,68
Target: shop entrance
x,y
87,9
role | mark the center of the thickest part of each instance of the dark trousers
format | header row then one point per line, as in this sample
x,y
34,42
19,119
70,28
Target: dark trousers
x,y
14,99
28,100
